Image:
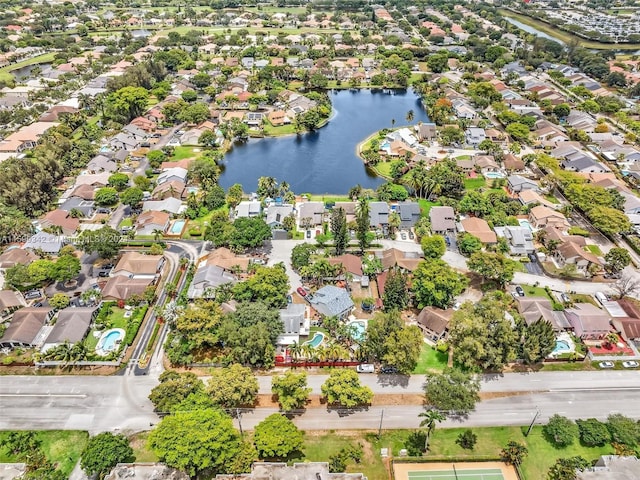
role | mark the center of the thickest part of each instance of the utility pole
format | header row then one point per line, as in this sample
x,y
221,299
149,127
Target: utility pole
x,y
239,415
532,422
455,473
380,427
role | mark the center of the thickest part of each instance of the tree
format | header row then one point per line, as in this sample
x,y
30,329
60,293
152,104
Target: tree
x,y
301,255
433,246
132,196
249,232
174,389
538,342
66,268
430,418
452,391
560,431
105,451
467,440
626,285
276,437
567,468
105,241
396,292
106,196
617,259
436,284
468,244
343,388
208,139
518,131
593,433
492,266
291,389
623,430
562,110
59,301
410,116
514,453
339,230
233,386
609,221
379,329
127,103
119,181
196,441
268,284
362,223
234,195
403,349
156,157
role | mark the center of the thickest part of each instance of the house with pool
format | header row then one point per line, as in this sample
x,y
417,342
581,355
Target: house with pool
x,y
295,319
330,301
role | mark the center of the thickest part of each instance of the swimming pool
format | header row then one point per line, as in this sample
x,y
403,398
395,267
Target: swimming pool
x,y
317,339
561,347
525,223
493,175
110,341
177,227
358,327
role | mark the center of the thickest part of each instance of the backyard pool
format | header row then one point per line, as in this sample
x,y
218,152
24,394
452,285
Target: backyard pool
x,y
177,227
317,339
358,327
564,344
110,341
561,347
494,175
525,223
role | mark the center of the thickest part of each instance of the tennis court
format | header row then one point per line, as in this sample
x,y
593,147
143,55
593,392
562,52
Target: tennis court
x,y
454,471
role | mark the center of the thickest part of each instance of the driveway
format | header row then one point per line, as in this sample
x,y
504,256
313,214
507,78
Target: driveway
x,y
281,252
534,268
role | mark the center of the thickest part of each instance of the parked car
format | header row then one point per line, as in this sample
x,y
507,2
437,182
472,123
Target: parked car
x,y
301,291
411,235
630,364
565,298
104,273
365,368
606,364
32,294
403,236
519,291
389,370
289,299
308,233
601,297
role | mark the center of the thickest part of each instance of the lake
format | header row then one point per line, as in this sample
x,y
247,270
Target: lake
x,y
530,29
324,161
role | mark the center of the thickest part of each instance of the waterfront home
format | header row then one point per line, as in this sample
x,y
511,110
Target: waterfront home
x,y
277,213
151,221
314,211
409,213
248,208
378,214
170,205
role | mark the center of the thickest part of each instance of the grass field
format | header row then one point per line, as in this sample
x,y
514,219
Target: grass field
x,y
474,183
425,206
383,169
5,74
431,360
281,130
60,447
180,153
595,249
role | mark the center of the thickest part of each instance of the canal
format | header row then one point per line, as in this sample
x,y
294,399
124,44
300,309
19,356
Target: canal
x,y
324,161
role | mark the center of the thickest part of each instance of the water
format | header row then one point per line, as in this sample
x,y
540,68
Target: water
x,y
25,72
317,339
324,161
494,175
109,341
358,328
525,223
177,227
530,29
561,346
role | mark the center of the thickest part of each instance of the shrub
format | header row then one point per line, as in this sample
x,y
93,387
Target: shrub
x,y
560,431
623,430
593,433
467,440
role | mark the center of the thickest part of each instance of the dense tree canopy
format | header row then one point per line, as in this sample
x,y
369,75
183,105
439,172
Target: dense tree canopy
x,y
452,391
343,388
233,386
436,284
276,437
105,451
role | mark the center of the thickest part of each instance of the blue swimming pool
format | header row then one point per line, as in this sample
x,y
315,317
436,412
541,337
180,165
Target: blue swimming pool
x,y
317,339
358,327
561,347
525,223
494,175
177,227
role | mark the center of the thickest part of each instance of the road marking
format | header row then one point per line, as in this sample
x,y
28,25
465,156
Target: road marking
x,y
602,389
62,395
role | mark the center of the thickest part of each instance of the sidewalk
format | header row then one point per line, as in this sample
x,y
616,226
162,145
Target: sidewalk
x,y
78,473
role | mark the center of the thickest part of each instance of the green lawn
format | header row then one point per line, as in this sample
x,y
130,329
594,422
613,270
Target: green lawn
x,y
532,291
474,183
127,222
595,249
5,74
383,169
551,198
60,447
139,444
281,130
431,360
180,153
425,206
328,198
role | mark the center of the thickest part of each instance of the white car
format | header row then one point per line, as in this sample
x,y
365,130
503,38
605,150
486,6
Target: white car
x,y
630,364
606,364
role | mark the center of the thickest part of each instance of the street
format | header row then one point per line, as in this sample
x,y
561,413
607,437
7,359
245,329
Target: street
x,y
120,403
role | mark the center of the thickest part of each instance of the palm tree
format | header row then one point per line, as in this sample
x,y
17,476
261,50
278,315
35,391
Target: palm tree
x,y
410,116
430,419
295,349
157,234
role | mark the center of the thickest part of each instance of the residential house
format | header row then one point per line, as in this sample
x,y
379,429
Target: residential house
x,y
474,136
151,221
570,253
588,321
77,205
123,141
409,213
443,220
26,137
25,327
102,163
13,256
463,110
378,214
173,174
248,208
170,205
10,301
62,220
121,287
206,279
145,471
583,164
45,242
518,183
311,210
486,164
295,322
406,261
71,326
95,180
276,215
352,264
172,189
612,467
426,132
480,229
349,209
434,323
534,309
331,301
278,118
226,259
512,163
137,265
530,197
519,239
541,216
